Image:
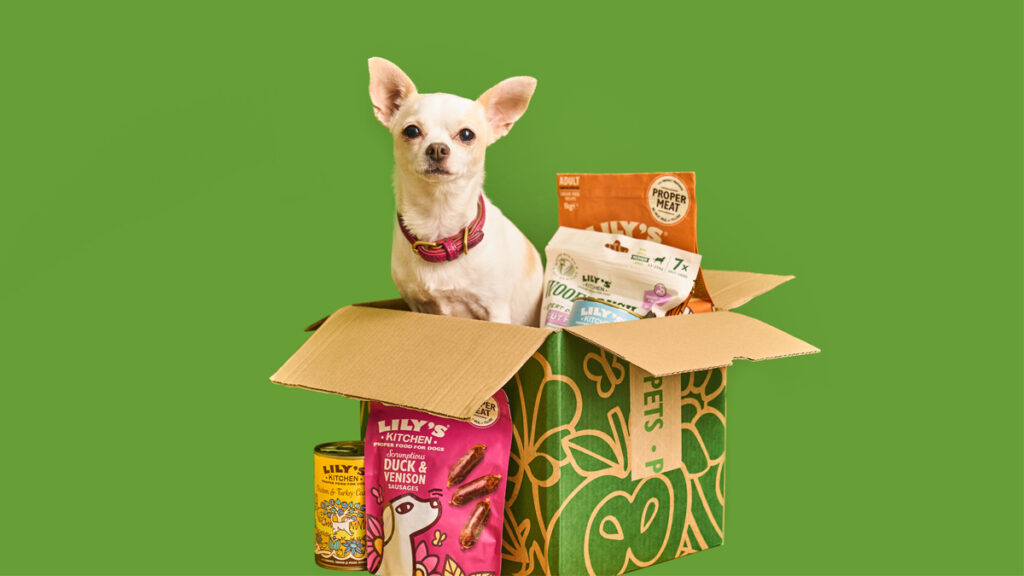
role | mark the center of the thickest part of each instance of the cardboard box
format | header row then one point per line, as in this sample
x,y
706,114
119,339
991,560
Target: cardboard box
x,y
608,472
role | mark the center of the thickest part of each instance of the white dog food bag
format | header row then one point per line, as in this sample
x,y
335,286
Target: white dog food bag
x,y
638,275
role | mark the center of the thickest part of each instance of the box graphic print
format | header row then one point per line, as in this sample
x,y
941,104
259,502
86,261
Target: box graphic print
x,y
572,505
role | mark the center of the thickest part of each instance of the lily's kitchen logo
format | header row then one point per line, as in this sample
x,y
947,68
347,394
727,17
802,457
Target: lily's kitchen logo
x,y
596,281
344,469
411,425
628,228
668,199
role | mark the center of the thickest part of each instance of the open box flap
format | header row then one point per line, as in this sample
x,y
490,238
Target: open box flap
x,y
392,304
410,359
692,342
731,290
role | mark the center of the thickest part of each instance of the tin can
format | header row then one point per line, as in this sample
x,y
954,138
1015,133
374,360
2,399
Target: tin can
x,y
339,506
587,311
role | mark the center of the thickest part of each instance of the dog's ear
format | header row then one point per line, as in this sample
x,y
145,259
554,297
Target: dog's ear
x,y
388,520
506,102
390,88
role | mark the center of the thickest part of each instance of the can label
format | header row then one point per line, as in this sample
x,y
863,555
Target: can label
x,y
340,512
586,312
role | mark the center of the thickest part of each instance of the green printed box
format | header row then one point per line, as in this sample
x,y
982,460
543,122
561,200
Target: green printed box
x,y
618,448
573,505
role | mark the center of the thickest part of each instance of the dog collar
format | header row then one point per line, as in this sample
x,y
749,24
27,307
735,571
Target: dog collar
x,y
450,248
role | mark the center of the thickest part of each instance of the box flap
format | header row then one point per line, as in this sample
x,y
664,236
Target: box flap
x,y
731,290
692,342
393,304
442,365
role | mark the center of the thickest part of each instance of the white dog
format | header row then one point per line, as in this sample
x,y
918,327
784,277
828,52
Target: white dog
x,y
403,518
453,252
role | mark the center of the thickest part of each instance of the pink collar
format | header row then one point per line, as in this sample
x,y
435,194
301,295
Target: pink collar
x,y
450,248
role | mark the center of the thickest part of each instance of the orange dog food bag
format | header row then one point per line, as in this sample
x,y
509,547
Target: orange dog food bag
x,y
661,207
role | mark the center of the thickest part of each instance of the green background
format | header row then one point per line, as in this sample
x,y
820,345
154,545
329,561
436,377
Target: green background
x,y
186,185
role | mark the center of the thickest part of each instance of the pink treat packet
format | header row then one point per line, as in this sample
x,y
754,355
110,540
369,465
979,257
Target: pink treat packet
x,y
435,490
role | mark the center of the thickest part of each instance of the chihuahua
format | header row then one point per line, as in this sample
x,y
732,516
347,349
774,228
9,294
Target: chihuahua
x,y
453,252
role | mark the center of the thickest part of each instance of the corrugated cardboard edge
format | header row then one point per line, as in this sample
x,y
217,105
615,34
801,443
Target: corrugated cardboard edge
x,y
362,398
313,327
391,304
730,290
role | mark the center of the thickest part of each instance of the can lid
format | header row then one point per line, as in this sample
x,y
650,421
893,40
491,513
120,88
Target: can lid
x,y
348,449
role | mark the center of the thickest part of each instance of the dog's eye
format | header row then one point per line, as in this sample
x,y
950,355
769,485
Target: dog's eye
x,y
411,131
466,135
404,508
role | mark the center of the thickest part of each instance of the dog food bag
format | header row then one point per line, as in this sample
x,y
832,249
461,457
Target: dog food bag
x,y
660,207
640,276
435,490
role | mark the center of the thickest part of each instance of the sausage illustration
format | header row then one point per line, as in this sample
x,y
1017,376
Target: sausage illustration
x,y
465,464
475,525
474,489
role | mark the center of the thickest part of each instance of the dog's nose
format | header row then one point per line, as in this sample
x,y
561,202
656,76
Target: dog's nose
x,y
437,151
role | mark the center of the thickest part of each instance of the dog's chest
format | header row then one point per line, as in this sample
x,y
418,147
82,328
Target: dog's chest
x,y
456,288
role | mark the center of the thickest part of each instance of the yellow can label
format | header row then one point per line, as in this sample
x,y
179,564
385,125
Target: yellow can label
x,y
340,511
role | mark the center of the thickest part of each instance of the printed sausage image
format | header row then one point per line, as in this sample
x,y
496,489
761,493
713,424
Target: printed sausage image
x,y
474,489
477,520
465,464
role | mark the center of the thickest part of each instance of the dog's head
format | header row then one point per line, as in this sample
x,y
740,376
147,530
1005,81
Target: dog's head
x,y
408,515
442,137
